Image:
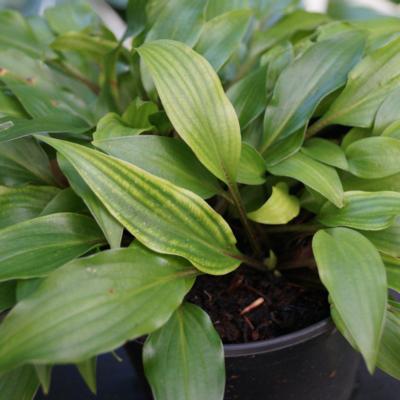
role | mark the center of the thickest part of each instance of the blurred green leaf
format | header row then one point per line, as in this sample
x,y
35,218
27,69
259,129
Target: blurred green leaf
x,y
88,369
19,384
387,113
323,68
222,35
7,295
368,85
185,358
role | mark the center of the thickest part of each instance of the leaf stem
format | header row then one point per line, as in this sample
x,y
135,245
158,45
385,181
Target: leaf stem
x,y
317,127
251,262
237,200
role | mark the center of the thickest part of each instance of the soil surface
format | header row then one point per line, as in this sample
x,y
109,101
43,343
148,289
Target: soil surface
x,y
247,305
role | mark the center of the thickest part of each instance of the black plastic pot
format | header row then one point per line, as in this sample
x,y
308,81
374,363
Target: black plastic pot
x,y
315,363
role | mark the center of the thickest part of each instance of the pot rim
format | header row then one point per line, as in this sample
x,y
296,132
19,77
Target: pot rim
x,y
281,342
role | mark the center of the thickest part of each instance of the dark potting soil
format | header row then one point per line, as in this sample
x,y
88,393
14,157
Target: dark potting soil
x,y
247,305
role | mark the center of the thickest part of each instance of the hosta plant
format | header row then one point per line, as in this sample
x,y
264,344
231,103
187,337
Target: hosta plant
x,y
229,137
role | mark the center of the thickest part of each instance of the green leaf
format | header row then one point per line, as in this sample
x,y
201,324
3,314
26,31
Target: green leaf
x,y
87,369
216,8
34,248
154,210
353,135
392,265
15,32
24,203
387,241
185,358
90,46
65,201
184,26
136,17
16,168
387,113
392,130
196,104
111,228
9,105
389,352
317,176
112,127
326,152
279,209
55,123
222,35
25,287
93,305
7,295
71,16
391,183
252,168
343,256
369,211
138,114
43,373
248,96
323,68
43,91
165,157
19,384
369,83
298,21
375,157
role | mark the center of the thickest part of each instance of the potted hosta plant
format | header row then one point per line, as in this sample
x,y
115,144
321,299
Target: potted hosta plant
x,y
222,195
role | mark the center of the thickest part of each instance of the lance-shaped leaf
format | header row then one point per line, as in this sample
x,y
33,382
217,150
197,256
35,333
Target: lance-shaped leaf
x,y
389,352
391,183
196,104
252,168
43,373
222,35
111,228
326,152
185,358
323,68
375,157
387,241
7,295
317,176
392,265
162,216
369,211
343,256
280,208
165,157
54,123
16,168
369,83
33,248
248,96
21,204
19,384
93,305
15,32
387,113
298,21
184,26
88,369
